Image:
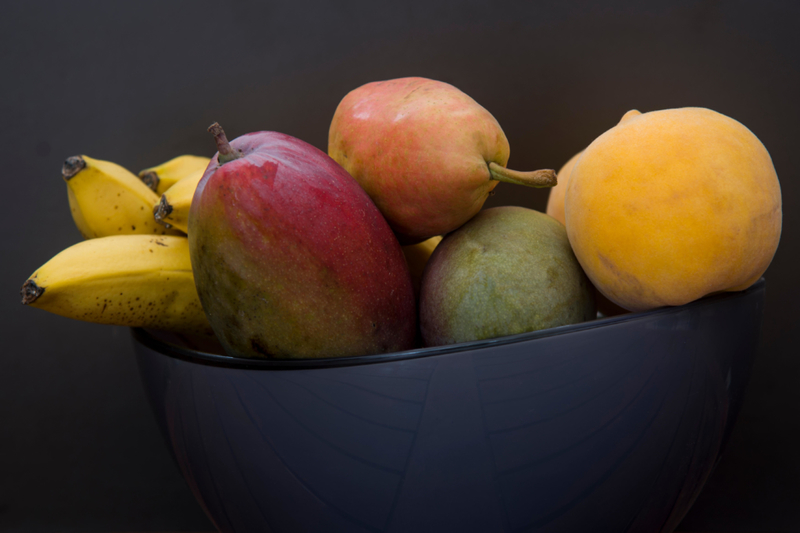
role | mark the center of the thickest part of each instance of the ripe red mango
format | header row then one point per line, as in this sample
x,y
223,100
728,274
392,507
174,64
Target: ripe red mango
x,y
291,257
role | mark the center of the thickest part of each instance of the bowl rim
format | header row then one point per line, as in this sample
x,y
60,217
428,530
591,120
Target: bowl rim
x,y
176,351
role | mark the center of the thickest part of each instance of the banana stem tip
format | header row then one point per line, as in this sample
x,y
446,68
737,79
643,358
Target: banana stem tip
x,y
72,166
162,210
150,179
31,291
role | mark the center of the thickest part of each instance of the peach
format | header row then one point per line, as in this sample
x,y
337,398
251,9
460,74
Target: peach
x,y
673,205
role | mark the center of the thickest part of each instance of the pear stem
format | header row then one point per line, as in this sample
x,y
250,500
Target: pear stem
x,y
534,178
226,151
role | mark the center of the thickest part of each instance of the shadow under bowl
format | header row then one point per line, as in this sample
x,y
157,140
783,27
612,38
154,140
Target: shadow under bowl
x,y
608,425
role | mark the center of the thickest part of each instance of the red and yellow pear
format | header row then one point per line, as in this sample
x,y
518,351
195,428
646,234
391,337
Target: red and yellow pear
x,y
426,153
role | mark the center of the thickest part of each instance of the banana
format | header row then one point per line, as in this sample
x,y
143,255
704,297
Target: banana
x,y
106,199
417,256
125,280
172,211
162,177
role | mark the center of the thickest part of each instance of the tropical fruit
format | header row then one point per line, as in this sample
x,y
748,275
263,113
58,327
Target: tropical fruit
x,y
122,280
508,270
291,257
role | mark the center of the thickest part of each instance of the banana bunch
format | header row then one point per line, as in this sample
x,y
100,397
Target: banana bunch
x,y
162,177
106,199
131,270
172,210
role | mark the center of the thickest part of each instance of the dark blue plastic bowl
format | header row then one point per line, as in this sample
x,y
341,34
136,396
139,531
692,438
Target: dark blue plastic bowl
x,y
609,426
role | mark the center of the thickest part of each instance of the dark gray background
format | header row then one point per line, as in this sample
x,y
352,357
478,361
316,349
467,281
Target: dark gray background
x,y
138,83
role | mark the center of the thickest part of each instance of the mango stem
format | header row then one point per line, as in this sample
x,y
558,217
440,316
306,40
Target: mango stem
x,y
534,178
226,151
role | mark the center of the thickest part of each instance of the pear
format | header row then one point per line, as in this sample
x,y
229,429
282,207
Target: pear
x,y
508,270
426,153
291,258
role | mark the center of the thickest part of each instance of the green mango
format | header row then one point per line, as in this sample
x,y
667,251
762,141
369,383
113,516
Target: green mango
x,y
508,270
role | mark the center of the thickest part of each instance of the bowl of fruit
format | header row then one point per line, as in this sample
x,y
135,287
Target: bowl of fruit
x,y
610,425
349,341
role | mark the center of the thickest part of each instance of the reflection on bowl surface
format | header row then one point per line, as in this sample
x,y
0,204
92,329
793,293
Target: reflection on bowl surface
x,y
610,425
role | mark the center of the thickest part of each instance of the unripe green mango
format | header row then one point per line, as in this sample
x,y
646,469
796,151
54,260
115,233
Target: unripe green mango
x,y
508,270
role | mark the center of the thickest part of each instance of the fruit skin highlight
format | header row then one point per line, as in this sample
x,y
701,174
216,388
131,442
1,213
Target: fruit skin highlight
x,y
291,257
508,270
426,153
672,205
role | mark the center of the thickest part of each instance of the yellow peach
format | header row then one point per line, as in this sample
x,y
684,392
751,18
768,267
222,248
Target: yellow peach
x,y
555,200
670,206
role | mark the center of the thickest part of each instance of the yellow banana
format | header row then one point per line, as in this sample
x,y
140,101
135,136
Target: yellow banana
x,y
125,280
106,199
165,175
173,209
417,256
